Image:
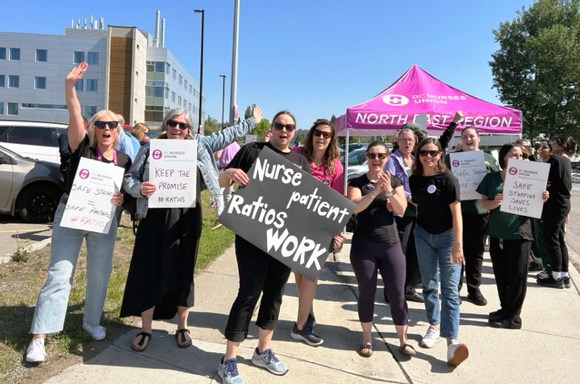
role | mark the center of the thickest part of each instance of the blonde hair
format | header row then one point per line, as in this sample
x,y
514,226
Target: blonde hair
x,y
96,117
139,130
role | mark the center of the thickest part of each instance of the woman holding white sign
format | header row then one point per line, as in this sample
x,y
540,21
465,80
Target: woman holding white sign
x,y
97,142
160,280
321,150
510,244
376,245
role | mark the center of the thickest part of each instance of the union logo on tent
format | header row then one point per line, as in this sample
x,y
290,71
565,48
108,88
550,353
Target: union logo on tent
x,y
395,100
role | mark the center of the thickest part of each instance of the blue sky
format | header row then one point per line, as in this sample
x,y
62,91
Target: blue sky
x,y
313,57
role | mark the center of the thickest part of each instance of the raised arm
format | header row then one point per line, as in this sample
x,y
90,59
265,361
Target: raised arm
x,y
76,126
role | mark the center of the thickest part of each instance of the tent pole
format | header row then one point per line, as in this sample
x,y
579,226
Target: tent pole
x,y
346,159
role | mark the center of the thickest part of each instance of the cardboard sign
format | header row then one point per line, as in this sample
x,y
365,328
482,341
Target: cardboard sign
x,y
173,169
89,205
287,213
525,181
469,169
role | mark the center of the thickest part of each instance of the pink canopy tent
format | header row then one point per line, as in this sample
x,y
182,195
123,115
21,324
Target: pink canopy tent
x,y
417,93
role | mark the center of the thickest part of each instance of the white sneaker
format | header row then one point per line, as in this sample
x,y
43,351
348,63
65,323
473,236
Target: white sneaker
x,y
97,332
457,353
431,337
35,353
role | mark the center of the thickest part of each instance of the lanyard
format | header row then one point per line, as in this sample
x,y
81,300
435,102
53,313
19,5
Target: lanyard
x,y
100,155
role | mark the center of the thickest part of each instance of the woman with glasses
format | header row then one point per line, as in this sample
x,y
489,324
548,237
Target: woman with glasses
x,y
259,273
321,151
97,142
510,243
438,234
160,280
378,196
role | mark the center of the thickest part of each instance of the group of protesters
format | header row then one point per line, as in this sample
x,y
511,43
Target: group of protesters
x,y
411,226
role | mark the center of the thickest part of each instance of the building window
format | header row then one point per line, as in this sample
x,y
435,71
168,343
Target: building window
x,y
92,85
180,79
1,107
89,111
2,53
159,66
174,74
41,55
93,58
13,81
40,82
179,101
2,81
166,93
167,69
79,84
79,57
173,96
14,53
12,109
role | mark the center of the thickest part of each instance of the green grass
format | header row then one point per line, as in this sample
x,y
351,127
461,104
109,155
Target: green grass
x,y
20,283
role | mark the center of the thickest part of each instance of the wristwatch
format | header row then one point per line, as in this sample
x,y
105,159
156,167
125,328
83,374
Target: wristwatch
x,y
392,193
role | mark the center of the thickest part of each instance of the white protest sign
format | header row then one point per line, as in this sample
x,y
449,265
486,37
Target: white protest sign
x,y
525,181
89,205
173,169
469,169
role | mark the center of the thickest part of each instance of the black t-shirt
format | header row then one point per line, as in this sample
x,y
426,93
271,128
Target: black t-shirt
x,y
559,186
84,150
433,194
375,223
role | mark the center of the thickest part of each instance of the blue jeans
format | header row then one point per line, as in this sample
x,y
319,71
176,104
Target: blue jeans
x,y
434,256
65,246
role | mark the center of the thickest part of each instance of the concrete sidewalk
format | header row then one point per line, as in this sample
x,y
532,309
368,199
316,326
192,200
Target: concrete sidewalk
x,y
543,349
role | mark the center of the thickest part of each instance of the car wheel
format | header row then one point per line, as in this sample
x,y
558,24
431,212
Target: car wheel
x,y
37,203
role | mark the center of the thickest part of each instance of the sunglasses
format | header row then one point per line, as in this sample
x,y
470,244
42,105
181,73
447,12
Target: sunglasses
x,y
102,124
425,152
380,156
326,135
280,126
173,124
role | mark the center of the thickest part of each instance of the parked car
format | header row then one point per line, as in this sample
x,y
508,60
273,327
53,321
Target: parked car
x,y
30,187
357,163
575,177
36,140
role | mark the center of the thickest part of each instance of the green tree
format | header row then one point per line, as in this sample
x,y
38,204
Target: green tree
x,y
211,125
537,68
261,128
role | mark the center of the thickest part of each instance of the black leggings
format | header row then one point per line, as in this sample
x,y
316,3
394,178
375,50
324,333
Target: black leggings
x,y
368,256
259,274
554,225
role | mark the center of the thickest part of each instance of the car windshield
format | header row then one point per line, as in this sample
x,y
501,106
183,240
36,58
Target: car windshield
x,y
356,157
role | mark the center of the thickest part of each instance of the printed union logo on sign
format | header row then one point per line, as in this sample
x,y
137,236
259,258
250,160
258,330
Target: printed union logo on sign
x,y
395,100
513,171
455,163
157,154
84,173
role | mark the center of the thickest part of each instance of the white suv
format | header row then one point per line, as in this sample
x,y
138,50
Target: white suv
x,y
32,139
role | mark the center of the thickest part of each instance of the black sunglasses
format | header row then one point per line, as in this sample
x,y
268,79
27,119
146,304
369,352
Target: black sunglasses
x,y
318,133
102,124
173,124
425,152
280,126
380,156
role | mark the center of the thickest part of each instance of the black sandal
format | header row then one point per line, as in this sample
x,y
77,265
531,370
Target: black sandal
x,y
143,342
366,350
182,337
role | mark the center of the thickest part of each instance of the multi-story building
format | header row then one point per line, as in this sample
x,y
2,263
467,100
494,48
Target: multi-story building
x,y
130,72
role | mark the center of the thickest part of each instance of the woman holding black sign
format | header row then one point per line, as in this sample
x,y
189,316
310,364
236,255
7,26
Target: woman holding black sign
x,y
160,280
259,273
510,244
376,245
321,150
97,142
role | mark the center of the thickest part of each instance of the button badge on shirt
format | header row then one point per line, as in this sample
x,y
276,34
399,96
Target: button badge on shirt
x,y
431,188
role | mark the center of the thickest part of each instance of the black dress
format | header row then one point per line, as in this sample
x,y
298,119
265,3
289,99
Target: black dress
x,y
163,262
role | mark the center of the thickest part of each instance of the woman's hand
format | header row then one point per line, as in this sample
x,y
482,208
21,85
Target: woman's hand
x,y
337,241
545,196
236,175
385,182
257,114
117,198
147,188
457,254
76,73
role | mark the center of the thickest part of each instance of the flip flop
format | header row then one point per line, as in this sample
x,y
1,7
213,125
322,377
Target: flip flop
x,y
408,350
366,350
143,342
182,337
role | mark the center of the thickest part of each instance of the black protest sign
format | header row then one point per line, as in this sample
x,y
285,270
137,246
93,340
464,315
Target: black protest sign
x,y
287,213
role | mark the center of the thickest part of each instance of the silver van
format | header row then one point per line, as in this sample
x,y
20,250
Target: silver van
x,y
36,140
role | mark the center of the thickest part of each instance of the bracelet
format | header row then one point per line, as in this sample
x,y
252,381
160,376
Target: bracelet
x,y
392,193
